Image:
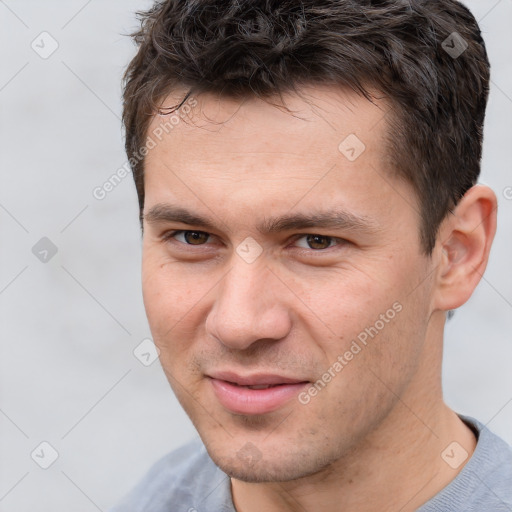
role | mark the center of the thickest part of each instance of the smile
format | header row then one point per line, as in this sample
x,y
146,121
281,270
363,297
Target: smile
x,y
258,394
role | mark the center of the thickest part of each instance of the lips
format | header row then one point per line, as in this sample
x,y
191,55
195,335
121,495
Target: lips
x,y
260,379
261,386
254,394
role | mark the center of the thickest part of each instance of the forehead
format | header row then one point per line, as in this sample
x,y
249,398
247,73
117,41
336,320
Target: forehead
x,y
316,115
252,138
230,157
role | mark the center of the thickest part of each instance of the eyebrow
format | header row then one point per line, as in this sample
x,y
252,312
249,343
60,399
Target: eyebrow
x,y
340,220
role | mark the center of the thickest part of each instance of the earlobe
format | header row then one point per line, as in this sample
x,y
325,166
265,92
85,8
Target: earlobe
x,y
464,242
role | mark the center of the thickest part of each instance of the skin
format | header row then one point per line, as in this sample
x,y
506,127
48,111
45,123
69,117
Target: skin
x,y
372,438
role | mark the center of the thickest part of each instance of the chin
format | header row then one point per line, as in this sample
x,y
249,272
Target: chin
x,y
264,472
250,465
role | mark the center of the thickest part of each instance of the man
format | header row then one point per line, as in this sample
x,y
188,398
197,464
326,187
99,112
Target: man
x,y
306,174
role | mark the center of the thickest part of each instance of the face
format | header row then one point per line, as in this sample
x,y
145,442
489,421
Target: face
x,y
280,251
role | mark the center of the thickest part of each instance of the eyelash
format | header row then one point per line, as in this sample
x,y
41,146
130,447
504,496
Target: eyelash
x,y
167,237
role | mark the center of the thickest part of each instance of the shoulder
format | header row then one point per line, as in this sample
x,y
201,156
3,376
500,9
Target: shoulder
x,y
493,470
185,479
485,482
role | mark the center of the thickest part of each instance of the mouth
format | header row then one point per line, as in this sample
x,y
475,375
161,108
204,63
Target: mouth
x,y
254,394
260,386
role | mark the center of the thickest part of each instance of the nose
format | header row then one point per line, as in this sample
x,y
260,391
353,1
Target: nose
x,y
250,305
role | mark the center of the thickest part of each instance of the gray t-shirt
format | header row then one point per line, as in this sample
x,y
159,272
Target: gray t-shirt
x,y
187,480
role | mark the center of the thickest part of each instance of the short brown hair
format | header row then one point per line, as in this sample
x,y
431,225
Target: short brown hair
x,y
426,57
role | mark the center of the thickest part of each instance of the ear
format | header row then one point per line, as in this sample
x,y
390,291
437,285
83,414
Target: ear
x,y
462,248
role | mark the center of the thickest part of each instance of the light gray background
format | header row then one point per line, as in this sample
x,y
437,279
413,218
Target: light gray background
x,y
69,326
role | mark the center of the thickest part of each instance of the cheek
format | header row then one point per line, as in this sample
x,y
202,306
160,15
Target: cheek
x,y
373,317
169,297
350,301
391,339
177,298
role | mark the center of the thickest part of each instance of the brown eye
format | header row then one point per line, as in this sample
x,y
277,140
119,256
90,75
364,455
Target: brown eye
x,y
195,237
318,242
